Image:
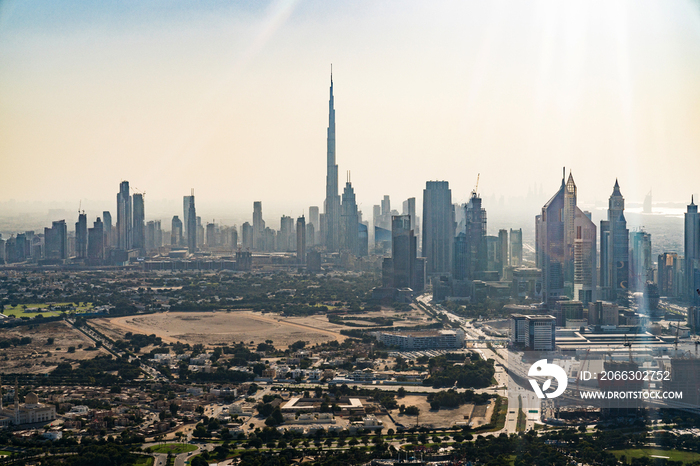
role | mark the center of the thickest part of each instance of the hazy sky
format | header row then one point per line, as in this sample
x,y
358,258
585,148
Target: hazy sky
x,y
232,99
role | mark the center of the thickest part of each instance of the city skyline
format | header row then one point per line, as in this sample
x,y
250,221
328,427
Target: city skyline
x,y
405,114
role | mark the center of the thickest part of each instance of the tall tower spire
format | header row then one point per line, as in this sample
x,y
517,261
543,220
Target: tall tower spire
x,y
332,202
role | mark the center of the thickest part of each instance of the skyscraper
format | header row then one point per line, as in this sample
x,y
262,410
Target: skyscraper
x,y
516,247
81,237
186,201
139,232
692,248
409,208
315,221
108,231
124,217
176,238
192,226
258,226
614,248
475,229
351,222
438,227
301,240
56,241
502,253
563,230
640,260
286,239
247,236
331,206
95,252
403,251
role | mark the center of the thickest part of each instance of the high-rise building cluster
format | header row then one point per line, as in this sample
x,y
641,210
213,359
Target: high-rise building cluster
x,y
577,266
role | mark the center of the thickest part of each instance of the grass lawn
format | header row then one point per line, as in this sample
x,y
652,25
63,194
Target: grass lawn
x,y
174,448
144,461
498,418
6,453
673,455
18,311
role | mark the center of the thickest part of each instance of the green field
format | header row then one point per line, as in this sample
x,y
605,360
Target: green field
x,y
673,455
5,453
174,448
19,310
144,461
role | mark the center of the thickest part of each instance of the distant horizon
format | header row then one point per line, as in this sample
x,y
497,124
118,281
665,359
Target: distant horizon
x,y
232,99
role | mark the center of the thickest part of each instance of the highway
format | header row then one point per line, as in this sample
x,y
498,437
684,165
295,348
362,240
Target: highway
x,y
505,359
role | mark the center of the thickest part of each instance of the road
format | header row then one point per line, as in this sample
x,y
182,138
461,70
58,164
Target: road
x,y
505,359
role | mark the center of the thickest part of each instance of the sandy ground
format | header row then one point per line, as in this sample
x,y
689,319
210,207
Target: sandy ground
x,y
212,328
28,359
444,417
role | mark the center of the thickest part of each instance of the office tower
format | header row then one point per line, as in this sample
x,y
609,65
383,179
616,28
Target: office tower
x,y
234,238
150,235
614,248
258,226
211,235
81,236
403,251
460,261
438,227
502,253
56,241
585,257
670,275
386,206
138,230
516,247
556,234
191,226
247,236
176,236
313,216
96,236
310,235
124,217
158,237
692,249
363,239
475,229
536,333
200,233
403,269
331,205
641,270
314,220
376,215
301,240
409,208
603,313
108,230
286,239
187,201
350,221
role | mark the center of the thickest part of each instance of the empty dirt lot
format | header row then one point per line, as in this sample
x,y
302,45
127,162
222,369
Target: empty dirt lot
x,y
213,328
40,357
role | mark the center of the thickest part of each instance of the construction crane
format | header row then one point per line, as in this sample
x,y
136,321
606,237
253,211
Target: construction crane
x,y
477,184
675,344
628,344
